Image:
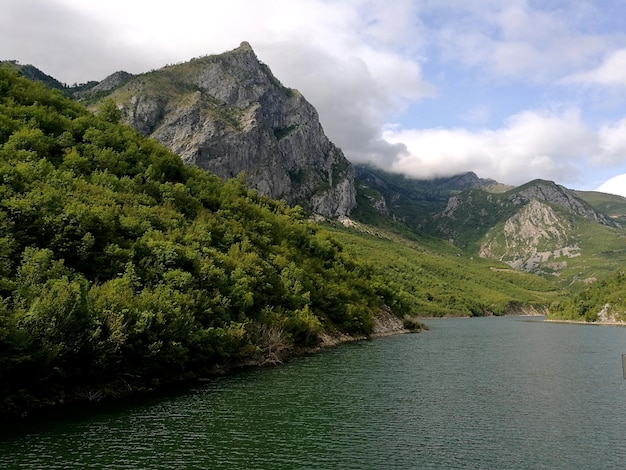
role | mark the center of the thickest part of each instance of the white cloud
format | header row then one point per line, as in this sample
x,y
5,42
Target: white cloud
x,y
361,63
616,185
532,145
611,72
612,139
60,40
514,40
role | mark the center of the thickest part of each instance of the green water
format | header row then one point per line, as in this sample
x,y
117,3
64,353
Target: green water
x,y
469,393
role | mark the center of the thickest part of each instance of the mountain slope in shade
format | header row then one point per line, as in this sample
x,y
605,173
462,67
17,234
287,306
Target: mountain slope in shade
x,y
539,227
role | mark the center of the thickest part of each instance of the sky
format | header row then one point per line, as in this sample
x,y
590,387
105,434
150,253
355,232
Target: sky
x,y
511,89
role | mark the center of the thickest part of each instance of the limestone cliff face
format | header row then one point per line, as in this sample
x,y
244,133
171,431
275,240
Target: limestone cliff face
x,y
228,114
534,239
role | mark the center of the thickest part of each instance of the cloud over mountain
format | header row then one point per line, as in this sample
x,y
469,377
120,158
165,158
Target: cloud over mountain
x,y
428,87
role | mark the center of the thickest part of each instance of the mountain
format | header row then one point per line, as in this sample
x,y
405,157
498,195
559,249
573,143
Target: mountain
x,y
610,204
550,192
33,73
122,268
96,89
384,198
479,210
228,114
539,227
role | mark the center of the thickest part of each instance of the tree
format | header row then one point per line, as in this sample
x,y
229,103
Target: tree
x,y
110,112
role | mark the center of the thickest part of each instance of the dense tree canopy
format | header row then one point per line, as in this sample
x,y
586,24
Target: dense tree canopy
x,y
607,296
119,264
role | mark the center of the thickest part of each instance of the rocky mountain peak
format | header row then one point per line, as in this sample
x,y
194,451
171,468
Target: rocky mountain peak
x,y
228,114
551,192
109,83
245,46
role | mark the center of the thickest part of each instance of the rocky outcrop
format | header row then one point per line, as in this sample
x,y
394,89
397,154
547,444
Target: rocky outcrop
x,y
109,83
551,192
228,114
534,239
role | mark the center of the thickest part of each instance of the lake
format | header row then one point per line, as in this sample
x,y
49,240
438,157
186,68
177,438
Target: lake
x,y
492,393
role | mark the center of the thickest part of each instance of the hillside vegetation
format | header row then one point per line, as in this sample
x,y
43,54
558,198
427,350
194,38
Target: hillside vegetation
x,y
121,268
602,301
612,205
434,278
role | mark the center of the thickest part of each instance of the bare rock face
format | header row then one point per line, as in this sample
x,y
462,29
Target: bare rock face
x,y
535,239
228,114
109,83
550,192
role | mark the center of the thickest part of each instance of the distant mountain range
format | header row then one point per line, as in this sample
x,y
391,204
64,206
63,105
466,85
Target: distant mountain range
x,y
228,114
539,227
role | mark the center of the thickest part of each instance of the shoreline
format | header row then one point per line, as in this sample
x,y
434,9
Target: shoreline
x,y
582,322
125,388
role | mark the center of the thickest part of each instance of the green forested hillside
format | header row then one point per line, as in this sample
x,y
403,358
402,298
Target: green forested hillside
x,y
610,204
121,267
604,300
436,279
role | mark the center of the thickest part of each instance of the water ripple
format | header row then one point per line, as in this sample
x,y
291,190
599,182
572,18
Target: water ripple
x,y
488,393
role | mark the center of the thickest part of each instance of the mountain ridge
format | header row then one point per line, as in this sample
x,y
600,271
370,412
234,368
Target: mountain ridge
x,y
539,227
229,114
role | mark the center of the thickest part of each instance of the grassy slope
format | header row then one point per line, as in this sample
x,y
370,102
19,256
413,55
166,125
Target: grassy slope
x,y
609,204
436,279
603,252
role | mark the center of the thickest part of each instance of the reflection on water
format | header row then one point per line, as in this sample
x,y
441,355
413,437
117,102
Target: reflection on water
x,y
468,393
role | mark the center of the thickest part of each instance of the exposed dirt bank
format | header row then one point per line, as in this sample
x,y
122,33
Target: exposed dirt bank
x,y
385,324
526,310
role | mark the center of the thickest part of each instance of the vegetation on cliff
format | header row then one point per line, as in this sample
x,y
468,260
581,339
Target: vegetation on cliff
x,y
121,265
604,300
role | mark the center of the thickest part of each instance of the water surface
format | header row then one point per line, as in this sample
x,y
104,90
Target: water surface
x,y
469,393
